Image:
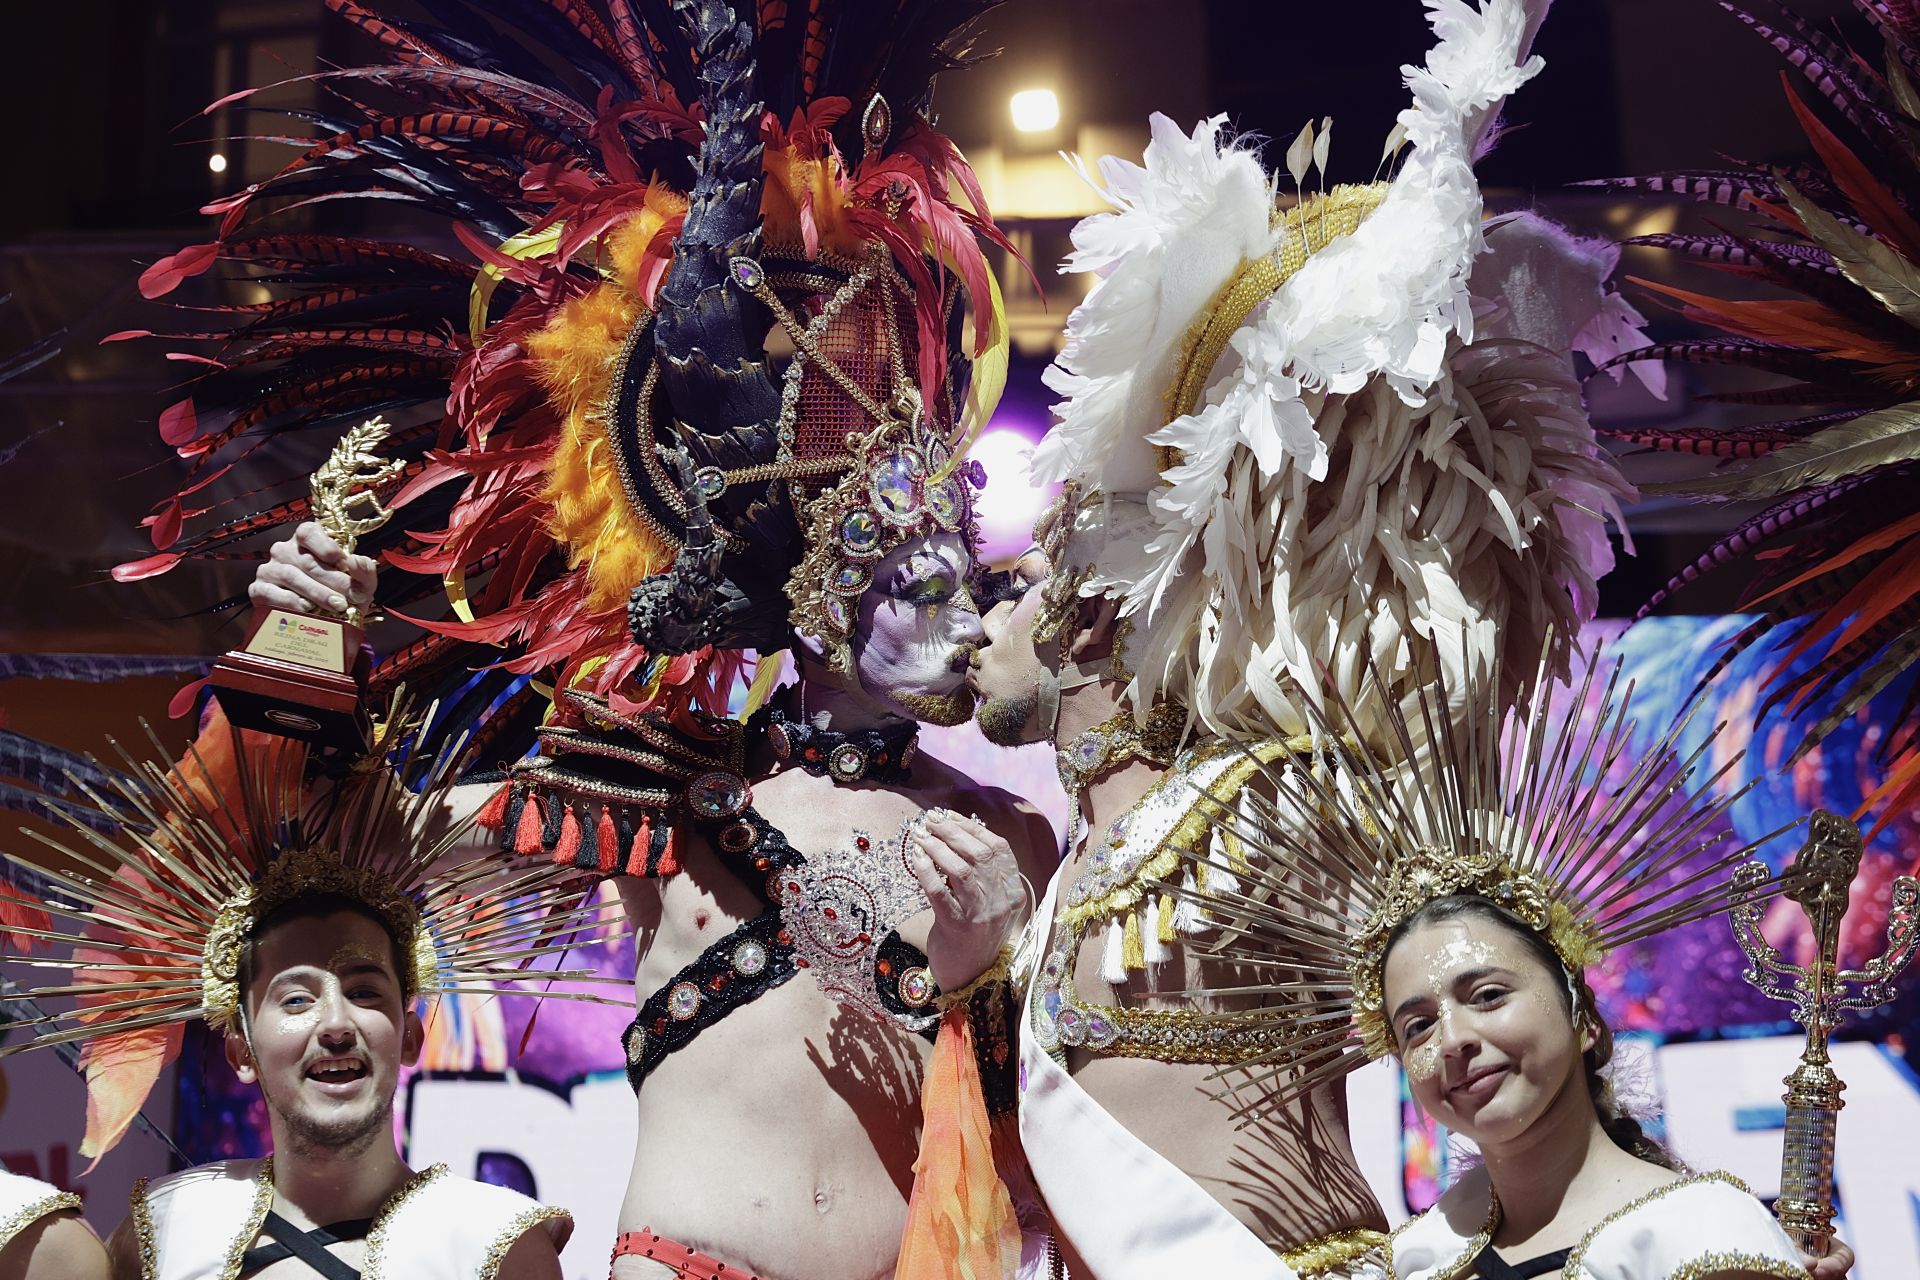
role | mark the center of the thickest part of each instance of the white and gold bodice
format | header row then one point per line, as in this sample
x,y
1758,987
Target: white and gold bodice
x,y
1126,890
24,1201
1693,1227
199,1223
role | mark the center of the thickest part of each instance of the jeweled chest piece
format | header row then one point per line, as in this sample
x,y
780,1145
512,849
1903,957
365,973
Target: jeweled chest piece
x,y
878,755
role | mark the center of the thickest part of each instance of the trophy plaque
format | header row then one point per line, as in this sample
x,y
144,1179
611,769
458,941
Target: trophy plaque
x,y
1820,993
303,675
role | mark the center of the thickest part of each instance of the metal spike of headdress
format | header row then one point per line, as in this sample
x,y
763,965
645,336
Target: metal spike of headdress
x,y
159,907
1586,836
646,188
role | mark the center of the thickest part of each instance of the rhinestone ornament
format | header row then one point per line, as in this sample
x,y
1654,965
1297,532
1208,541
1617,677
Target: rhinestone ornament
x,y
848,761
916,988
747,273
718,794
948,504
850,579
683,1001
894,484
860,533
750,958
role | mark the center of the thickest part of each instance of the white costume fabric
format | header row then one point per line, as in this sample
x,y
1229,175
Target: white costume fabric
x,y
24,1201
199,1223
1127,1210
1701,1224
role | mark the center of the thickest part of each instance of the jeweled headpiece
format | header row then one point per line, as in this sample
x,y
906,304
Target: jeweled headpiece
x,y
161,908
1587,830
1304,430
613,462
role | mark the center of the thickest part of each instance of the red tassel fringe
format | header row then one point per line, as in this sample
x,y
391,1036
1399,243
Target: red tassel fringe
x,y
494,815
526,837
567,847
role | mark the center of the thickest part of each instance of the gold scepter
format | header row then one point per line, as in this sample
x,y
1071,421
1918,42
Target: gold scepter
x,y
302,675
1819,879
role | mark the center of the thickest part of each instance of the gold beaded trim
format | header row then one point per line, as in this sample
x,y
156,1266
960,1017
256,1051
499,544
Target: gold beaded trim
x,y
372,1267
1577,1258
1480,1240
60,1202
521,1224
1122,739
1336,1249
142,1214
1193,1036
1712,1264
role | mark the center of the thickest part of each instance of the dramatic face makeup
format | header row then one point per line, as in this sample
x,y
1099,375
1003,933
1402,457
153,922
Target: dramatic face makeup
x,y
917,629
1482,1027
327,1028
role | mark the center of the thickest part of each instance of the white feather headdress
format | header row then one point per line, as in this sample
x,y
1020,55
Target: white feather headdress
x,y
1306,440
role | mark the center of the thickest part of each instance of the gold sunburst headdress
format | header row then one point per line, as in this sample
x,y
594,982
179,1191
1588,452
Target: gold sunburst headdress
x,y
159,916
1559,815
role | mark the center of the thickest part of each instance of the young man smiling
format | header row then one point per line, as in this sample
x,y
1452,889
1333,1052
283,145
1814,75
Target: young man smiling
x,y
328,1021
306,924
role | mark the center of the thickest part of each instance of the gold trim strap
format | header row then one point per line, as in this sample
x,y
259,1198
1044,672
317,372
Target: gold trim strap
x,y
522,1223
1336,1249
142,1214
997,972
371,1268
1577,1259
1470,1249
32,1212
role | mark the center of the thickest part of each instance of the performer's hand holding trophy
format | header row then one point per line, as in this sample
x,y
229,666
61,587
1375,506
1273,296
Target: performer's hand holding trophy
x,y
1820,993
301,671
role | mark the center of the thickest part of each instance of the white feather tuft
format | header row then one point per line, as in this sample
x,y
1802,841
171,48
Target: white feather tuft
x,y
1376,460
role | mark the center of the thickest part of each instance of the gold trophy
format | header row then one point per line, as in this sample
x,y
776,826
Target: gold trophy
x,y
1820,992
302,675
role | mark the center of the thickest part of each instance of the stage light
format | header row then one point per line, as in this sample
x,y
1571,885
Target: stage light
x,y
1011,502
1035,110
217,162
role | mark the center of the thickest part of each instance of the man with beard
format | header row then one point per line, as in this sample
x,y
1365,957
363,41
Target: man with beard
x,y
328,1022
1297,447
225,889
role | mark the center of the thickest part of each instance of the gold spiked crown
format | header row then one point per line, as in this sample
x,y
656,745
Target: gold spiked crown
x,y
151,923
1566,816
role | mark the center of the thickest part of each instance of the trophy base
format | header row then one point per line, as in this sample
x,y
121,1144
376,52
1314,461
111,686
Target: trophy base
x,y
297,676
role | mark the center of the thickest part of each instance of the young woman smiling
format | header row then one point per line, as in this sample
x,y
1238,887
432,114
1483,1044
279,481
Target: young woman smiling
x,y
1501,1044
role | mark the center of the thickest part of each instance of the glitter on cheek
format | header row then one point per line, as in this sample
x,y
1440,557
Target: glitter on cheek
x,y
1423,1064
